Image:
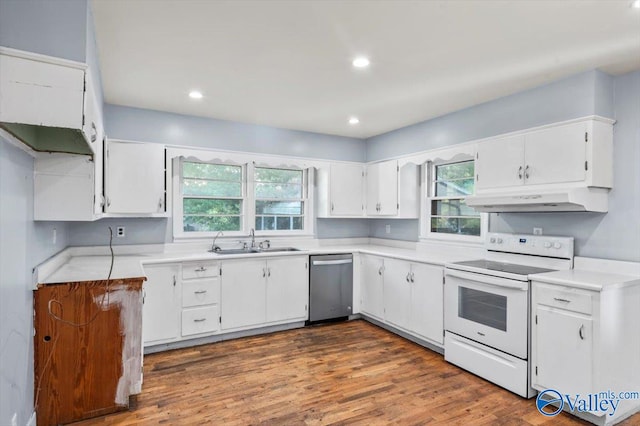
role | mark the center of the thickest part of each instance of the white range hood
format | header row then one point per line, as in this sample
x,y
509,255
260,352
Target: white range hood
x,y
558,200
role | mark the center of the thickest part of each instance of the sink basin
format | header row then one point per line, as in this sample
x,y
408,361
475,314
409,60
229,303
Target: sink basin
x,y
255,250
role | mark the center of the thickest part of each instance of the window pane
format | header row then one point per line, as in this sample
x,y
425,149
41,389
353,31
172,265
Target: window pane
x,y
451,207
454,188
212,171
278,190
210,223
455,171
211,188
278,175
209,207
265,223
454,225
279,207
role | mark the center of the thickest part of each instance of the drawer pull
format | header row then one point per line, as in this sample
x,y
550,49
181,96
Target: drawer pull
x,y
200,292
580,332
199,319
201,269
557,299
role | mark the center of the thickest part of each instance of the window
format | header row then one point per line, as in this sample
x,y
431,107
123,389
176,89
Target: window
x,y
279,197
211,197
451,183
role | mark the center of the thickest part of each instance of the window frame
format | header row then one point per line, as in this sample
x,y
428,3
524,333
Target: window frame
x,y
248,199
427,195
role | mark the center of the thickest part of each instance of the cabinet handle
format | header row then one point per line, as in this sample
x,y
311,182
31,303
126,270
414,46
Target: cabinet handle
x,y
200,292
199,319
408,274
174,280
380,271
526,172
561,300
331,206
94,133
580,332
160,203
268,272
201,269
108,202
412,276
264,272
520,172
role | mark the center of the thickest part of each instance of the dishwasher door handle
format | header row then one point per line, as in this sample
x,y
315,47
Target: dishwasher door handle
x,y
332,262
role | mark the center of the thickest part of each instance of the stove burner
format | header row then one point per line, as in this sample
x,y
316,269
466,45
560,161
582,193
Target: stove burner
x,y
511,268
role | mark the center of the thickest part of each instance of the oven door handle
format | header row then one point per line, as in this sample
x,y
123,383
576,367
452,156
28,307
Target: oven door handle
x,y
488,280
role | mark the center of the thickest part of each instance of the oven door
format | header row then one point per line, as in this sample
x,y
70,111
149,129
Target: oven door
x,y
490,310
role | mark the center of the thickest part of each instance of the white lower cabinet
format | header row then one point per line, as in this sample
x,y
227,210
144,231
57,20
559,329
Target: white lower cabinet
x,y
161,310
258,292
200,298
371,286
287,289
413,298
586,342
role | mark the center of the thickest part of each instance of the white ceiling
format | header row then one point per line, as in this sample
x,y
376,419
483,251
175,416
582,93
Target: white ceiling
x,y
288,63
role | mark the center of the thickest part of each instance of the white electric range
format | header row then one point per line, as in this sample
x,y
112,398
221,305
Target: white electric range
x,y
487,304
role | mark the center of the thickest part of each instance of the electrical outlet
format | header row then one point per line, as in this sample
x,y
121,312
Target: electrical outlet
x,y
537,231
120,231
387,229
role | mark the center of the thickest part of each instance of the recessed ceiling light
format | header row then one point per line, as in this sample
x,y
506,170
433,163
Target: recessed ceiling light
x,y
354,120
635,4
361,62
194,94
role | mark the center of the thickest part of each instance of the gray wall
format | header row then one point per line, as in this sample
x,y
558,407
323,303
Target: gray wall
x,y
616,234
577,96
55,28
175,129
23,244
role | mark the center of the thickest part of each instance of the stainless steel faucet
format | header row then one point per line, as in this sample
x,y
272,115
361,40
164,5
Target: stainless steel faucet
x,y
214,247
252,233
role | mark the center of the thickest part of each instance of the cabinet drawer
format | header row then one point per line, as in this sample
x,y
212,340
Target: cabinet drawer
x,y
571,299
200,269
200,292
200,320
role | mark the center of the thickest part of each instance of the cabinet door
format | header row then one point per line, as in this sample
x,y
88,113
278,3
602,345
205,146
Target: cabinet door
x,y
427,301
563,351
287,288
371,286
135,177
397,292
162,304
388,188
556,155
500,163
347,189
373,187
243,296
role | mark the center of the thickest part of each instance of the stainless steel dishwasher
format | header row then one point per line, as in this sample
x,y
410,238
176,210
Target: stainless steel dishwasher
x,y
331,287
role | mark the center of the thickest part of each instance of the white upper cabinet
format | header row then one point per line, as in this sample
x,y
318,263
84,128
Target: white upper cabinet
x,y
341,190
393,190
574,154
135,178
382,188
47,102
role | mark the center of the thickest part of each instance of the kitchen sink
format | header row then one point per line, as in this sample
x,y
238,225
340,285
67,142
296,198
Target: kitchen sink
x,y
255,250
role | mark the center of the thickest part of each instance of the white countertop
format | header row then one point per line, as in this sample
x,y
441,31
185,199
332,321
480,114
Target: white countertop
x,y
74,268
587,279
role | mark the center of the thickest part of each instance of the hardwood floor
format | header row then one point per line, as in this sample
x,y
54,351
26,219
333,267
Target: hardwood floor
x,y
345,373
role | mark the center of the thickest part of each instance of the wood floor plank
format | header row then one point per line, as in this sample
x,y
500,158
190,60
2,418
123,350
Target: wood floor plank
x,y
347,373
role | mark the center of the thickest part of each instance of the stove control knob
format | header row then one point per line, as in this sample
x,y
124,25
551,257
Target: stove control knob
x,y
557,245
547,244
492,240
